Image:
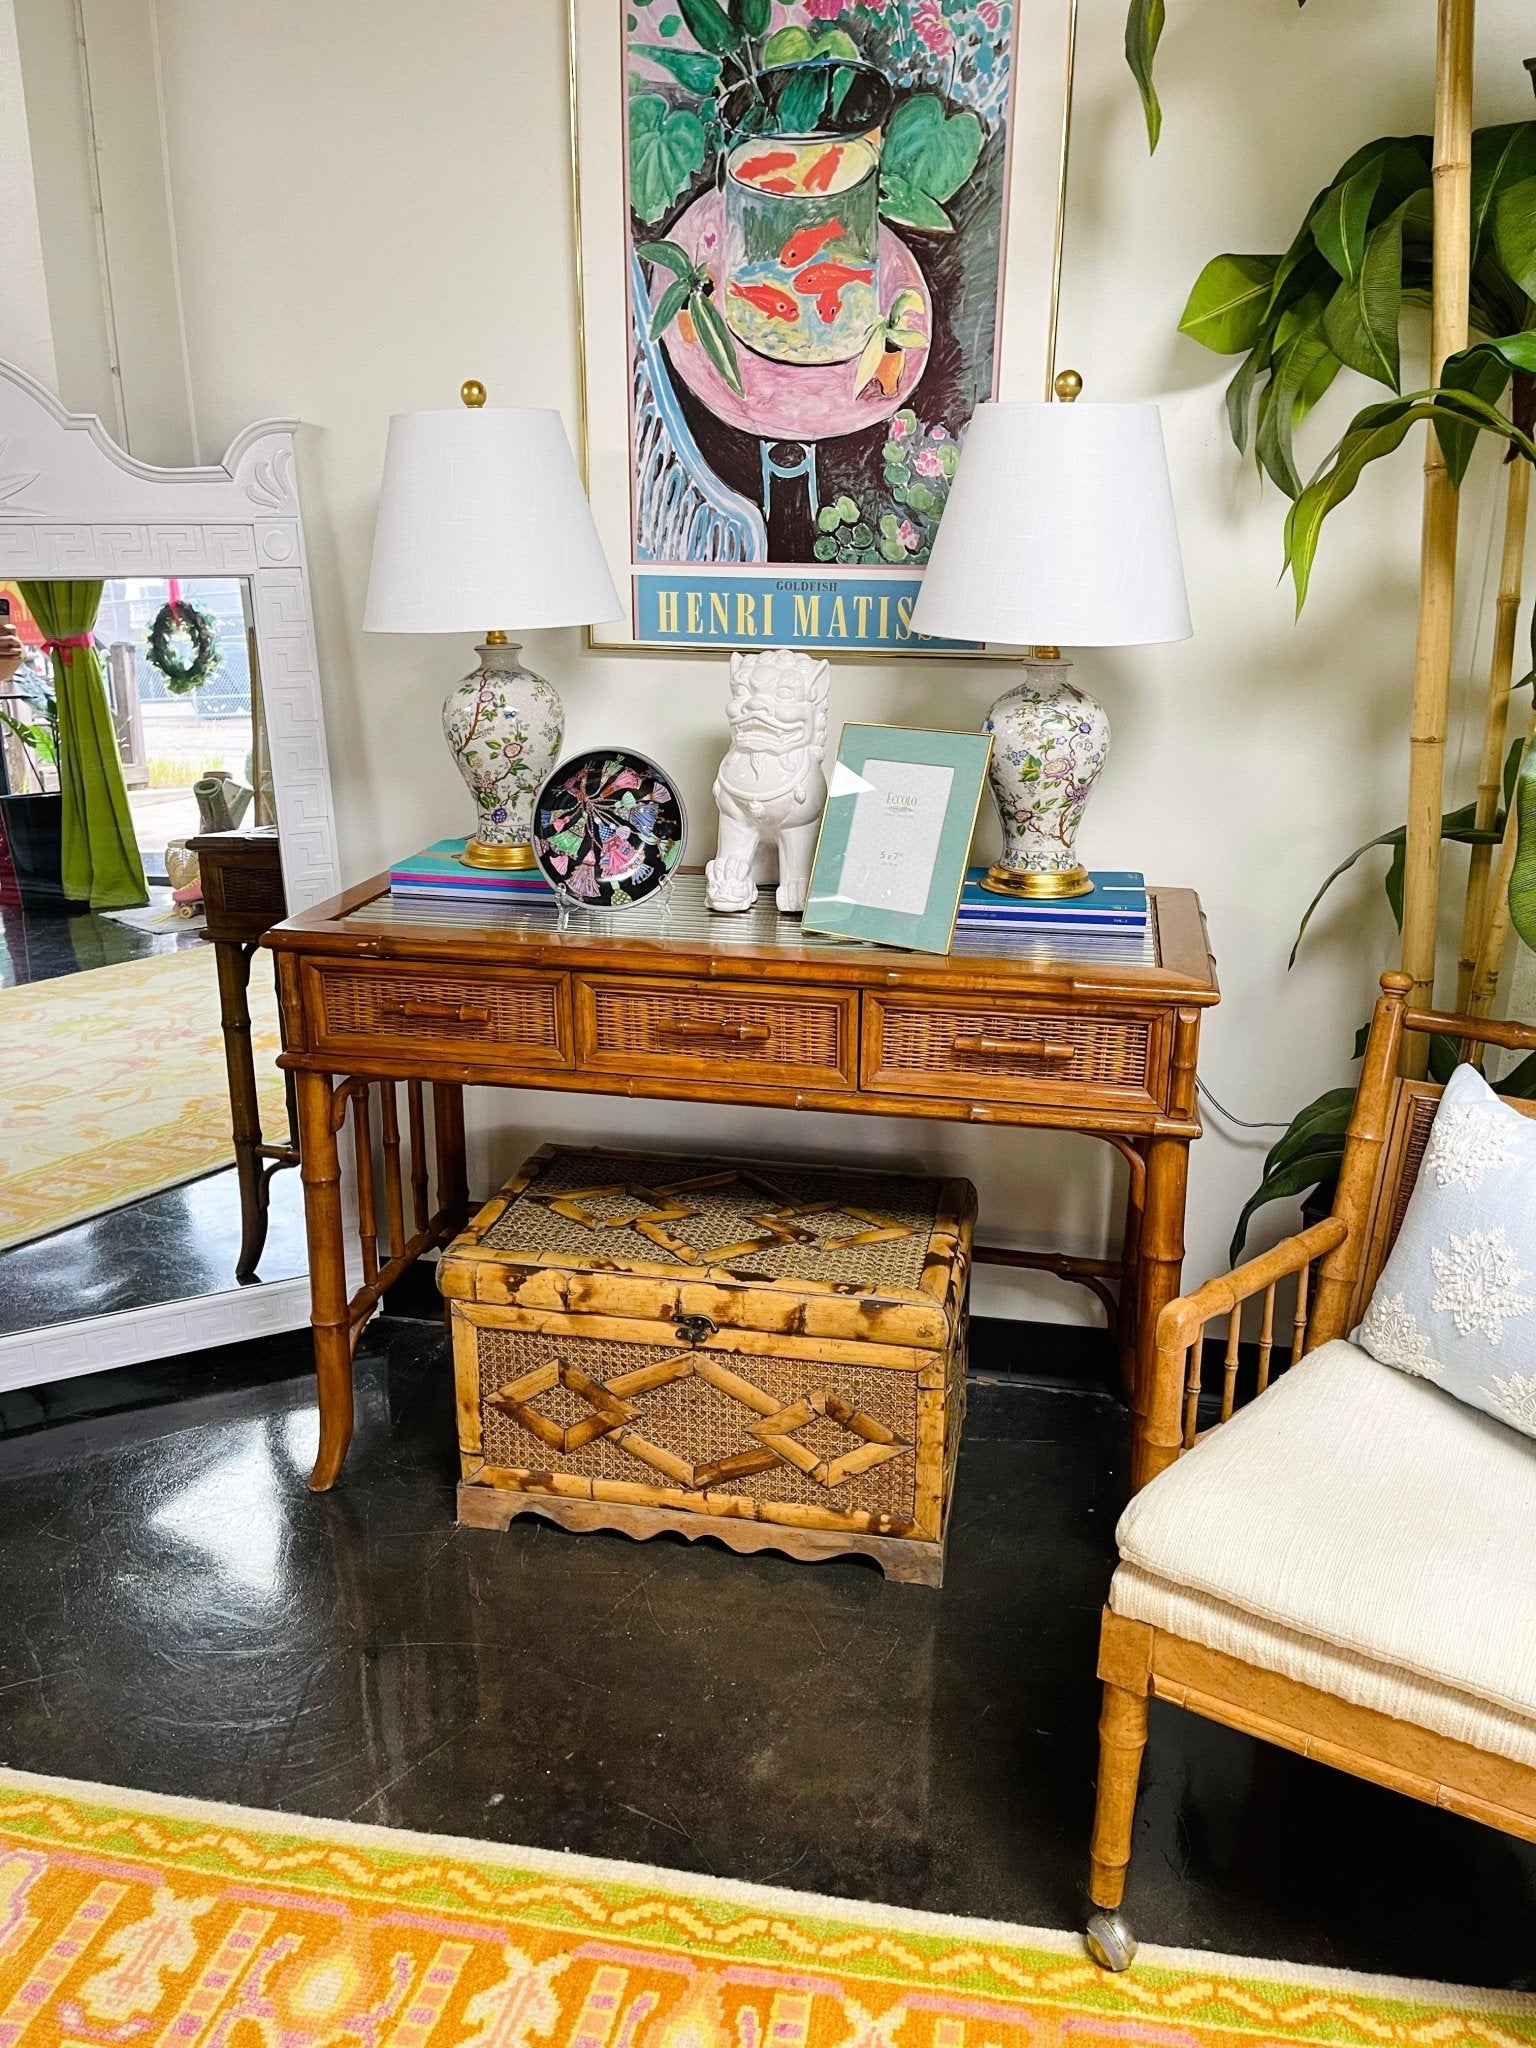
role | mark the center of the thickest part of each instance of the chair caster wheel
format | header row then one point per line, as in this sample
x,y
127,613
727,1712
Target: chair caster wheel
x,y
1110,1941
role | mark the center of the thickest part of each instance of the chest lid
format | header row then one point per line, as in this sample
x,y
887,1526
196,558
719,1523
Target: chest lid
x,y
760,1245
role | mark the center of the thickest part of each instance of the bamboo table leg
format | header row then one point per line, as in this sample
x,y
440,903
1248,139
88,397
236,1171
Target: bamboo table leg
x,y
448,1129
320,1171
1160,1260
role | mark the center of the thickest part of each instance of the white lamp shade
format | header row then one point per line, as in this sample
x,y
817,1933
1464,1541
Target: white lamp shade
x,y
1059,531
483,524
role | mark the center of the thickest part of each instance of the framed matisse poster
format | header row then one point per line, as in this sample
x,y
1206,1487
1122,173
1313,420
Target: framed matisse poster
x,y
795,229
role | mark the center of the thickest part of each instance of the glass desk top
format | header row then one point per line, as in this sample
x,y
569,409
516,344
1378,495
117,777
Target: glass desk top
x,y
684,919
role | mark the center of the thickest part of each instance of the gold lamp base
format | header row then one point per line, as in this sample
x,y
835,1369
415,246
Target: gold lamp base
x,y
1010,882
476,855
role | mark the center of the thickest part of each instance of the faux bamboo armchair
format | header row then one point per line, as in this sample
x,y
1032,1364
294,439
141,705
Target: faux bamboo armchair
x,y
1141,1658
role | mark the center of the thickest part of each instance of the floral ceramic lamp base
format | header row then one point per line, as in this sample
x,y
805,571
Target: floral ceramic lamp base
x,y
504,726
1049,742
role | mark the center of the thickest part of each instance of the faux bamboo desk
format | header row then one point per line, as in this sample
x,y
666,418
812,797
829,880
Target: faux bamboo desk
x,y
1097,1036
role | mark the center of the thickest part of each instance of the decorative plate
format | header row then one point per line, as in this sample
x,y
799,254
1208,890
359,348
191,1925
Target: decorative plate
x,y
608,828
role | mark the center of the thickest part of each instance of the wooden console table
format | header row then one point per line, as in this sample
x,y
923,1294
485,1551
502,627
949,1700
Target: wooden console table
x,y
243,897
1094,1035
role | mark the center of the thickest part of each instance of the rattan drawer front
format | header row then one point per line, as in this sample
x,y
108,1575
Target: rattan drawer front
x,y
917,1047
466,1016
692,1029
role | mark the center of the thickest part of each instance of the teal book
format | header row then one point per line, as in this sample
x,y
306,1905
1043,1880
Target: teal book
x,y
1117,902
438,871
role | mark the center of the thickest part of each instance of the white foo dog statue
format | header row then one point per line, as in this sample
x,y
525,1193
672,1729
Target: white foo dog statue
x,y
770,791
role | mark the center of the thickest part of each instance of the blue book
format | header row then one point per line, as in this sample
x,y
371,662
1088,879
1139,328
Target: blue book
x,y
1117,902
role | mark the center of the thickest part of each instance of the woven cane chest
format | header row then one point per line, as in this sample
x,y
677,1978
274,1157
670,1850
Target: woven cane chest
x,y
770,1354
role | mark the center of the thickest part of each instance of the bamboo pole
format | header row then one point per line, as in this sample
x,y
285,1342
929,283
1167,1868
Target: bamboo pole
x,y
1501,669
1437,549
1490,957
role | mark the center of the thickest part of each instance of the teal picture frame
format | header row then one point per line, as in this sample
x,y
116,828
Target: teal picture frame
x,y
896,836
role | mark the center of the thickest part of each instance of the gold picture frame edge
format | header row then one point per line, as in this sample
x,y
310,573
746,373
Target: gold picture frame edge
x,y
981,657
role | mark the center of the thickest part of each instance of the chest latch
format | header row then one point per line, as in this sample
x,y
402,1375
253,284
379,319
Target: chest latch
x,y
695,1329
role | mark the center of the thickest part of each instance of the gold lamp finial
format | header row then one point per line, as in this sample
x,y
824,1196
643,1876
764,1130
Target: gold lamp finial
x,y
473,393
1069,385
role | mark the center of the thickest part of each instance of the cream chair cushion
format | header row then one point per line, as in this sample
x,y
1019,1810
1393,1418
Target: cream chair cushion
x,y
1362,1532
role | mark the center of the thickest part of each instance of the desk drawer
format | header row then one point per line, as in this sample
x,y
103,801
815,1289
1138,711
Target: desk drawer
x,y
923,1045
696,1029
524,1018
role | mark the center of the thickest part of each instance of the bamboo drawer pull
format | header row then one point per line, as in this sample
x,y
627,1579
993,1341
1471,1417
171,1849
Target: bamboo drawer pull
x,y
1016,1048
739,1034
453,1013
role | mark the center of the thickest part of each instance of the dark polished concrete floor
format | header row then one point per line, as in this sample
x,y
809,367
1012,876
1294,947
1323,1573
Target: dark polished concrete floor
x,y
43,945
183,1615
170,1247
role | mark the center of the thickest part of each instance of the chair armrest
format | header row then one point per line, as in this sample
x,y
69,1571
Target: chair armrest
x,y
1171,1399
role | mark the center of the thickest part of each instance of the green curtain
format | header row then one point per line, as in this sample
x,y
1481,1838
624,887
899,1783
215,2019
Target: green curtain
x,y
101,856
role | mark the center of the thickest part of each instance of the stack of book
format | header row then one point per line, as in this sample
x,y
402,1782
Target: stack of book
x,y
438,873
1116,904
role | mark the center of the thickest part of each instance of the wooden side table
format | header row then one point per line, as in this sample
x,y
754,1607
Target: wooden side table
x,y
1089,1035
243,897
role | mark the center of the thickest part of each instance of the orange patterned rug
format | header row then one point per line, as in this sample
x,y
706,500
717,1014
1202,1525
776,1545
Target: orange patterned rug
x,y
127,1918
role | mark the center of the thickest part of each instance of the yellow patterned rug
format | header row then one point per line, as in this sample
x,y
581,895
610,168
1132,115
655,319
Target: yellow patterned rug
x,y
130,1918
112,1086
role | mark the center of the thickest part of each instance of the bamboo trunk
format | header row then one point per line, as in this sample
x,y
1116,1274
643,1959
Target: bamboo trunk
x,y
1501,669
1495,936
1437,553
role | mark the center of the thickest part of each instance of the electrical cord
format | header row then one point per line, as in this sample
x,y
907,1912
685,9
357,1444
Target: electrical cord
x,y
1241,1122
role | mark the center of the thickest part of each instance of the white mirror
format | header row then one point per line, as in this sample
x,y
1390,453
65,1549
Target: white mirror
x,y
122,1222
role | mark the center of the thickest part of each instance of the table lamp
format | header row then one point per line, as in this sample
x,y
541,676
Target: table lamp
x,y
1059,531
482,517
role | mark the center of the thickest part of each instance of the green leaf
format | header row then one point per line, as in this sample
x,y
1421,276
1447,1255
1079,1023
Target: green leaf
x,y
1319,1168
694,72
1302,372
711,27
669,305
666,148
751,16
910,208
1360,320
870,359
1240,393
929,149
1522,883
1514,233
1521,1080
1339,224
788,45
1393,838
1327,1117
842,84
1378,431
846,509
670,254
801,102
824,548
1226,310
1482,370
1143,32
715,338
1502,157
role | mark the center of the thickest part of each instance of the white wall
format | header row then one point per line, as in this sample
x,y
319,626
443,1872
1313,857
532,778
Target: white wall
x,y
371,203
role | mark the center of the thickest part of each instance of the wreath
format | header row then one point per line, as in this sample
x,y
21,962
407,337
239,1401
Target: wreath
x,y
178,617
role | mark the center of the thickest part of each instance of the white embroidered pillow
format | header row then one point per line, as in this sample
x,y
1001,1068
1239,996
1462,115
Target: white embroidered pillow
x,y
1456,1301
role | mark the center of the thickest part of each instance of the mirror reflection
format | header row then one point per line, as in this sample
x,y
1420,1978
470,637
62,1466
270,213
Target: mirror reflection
x,y
143,1131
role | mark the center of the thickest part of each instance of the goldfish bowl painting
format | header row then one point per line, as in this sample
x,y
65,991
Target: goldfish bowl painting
x,y
608,829
816,196
802,211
